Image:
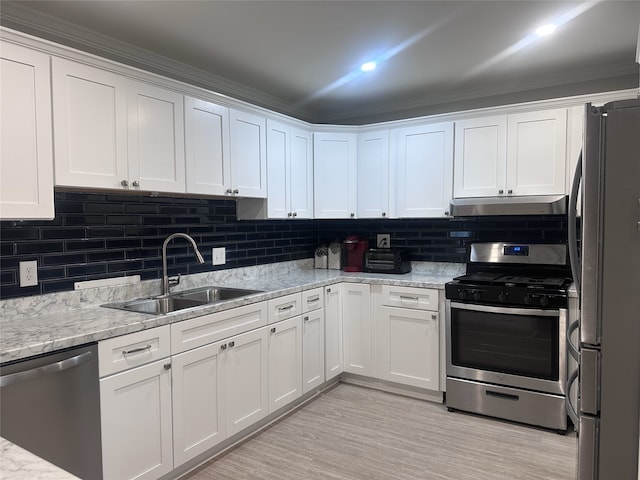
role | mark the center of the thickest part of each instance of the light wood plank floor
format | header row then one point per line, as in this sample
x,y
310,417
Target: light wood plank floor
x,y
353,433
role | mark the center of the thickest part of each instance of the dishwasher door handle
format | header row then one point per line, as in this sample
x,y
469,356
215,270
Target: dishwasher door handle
x,y
55,367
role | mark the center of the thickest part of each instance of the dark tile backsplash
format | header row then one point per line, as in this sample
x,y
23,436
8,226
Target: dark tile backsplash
x,y
100,235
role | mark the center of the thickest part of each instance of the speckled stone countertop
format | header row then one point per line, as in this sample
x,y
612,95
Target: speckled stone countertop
x,y
41,324
17,463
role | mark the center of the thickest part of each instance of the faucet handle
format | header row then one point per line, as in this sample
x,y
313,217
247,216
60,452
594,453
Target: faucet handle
x,y
174,281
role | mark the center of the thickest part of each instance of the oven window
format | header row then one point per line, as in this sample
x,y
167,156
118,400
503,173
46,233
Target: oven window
x,y
526,345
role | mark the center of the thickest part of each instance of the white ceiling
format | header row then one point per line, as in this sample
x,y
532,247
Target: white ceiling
x,y
302,57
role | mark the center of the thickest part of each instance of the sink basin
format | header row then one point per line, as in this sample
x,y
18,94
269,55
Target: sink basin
x,y
214,294
182,300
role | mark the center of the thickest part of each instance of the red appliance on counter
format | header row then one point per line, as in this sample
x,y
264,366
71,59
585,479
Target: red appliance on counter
x,y
353,253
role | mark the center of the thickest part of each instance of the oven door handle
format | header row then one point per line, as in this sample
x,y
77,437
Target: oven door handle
x,y
505,310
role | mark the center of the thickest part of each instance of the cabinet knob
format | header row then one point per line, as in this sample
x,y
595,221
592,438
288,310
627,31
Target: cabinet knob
x,y
229,191
446,214
433,317
273,330
306,319
223,346
124,183
352,215
384,214
289,214
136,183
232,344
167,366
235,191
509,191
295,214
500,192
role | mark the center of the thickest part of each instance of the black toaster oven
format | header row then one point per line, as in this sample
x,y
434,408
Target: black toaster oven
x,y
387,260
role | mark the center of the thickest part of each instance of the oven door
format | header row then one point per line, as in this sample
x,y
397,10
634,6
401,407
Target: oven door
x,y
517,347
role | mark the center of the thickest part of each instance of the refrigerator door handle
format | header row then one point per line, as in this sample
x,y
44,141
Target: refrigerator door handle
x,y
572,226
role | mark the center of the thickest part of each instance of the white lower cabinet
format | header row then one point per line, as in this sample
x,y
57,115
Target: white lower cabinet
x,y
333,354
247,372
285,362
312,350
356,328
136,422
198,401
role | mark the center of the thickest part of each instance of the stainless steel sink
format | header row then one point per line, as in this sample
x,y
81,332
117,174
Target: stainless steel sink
x,y
214,294
182,300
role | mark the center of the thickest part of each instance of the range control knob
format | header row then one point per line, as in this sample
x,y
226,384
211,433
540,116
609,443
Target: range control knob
x,y
528,299
544,301
462,294
502,297
477,296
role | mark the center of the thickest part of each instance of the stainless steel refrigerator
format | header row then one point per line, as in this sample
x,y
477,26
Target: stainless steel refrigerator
x,y
605,254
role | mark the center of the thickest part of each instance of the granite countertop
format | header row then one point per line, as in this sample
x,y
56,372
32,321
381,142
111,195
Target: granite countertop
x,y
17,463
35,325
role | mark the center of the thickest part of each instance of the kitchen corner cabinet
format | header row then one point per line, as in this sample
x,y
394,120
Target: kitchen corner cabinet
x,y
407,337
519,154
334,175
421,175
114,132
373,174
333,353
207,156
247,136
357,328
26,145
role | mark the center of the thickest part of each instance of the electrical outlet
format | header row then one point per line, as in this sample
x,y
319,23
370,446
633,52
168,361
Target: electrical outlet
x,y
29,273
383,240
218,256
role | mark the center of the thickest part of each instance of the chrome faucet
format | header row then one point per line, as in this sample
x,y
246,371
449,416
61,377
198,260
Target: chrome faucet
x,y
166,284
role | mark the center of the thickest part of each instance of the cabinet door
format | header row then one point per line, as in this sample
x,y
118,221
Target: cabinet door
x,y
248,154
480,157
247,376
334,175
278,160
423,170
90,126
373,174
312,350
156,138
136,422
26,148
537,152
333,356
208,166
408,347
301,174
198,401
285,362
356,328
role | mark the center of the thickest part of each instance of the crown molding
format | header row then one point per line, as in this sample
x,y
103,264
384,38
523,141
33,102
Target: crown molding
x,y
26,20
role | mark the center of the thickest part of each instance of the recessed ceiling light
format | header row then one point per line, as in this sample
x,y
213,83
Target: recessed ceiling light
x,y
546,29
367,67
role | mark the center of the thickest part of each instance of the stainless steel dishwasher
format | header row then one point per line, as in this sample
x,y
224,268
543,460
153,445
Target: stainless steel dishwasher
x,y
50,406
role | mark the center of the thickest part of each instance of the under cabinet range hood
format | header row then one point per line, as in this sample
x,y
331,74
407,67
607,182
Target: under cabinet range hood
x,y
525,205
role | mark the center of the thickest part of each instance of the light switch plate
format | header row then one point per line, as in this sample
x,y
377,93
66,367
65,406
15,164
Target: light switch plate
x,y
218,256
383,240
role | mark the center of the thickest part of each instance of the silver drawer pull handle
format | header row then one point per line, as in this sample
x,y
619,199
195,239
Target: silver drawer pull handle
x,y
282,309
313,299
136,350
404,297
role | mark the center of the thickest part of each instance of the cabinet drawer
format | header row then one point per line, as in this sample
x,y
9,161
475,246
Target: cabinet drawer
x,y
285,307
312,299
410,297
200,331
132,350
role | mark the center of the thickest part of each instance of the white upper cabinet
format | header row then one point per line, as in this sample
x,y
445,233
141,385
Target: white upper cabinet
x,y
301,174
26,148
334,175
207,156
373,174
113,132
248,154
421,176
156,138
519,154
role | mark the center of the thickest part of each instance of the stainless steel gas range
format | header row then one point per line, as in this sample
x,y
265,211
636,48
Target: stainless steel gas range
x,y
506,323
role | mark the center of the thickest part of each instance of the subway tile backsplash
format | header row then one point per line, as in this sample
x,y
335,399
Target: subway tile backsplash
x,y
101,235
